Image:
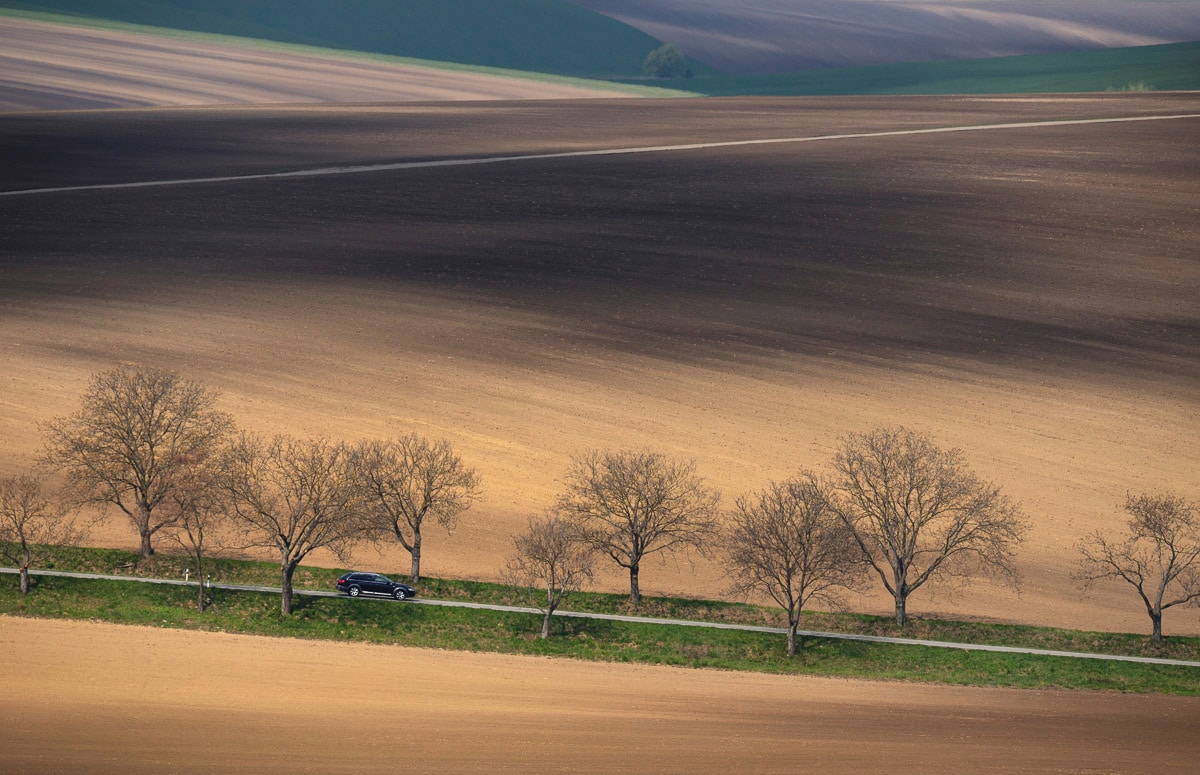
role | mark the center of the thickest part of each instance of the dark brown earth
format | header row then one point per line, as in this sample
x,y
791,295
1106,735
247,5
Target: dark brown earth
x,y
874,246
1030,295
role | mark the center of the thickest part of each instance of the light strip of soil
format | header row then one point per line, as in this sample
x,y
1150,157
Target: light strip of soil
x,y
100,698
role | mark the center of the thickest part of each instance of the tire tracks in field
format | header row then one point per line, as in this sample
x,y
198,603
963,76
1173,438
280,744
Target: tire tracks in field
x,y
410,165
646,620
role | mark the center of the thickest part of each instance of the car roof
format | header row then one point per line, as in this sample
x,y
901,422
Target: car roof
x,y
362,574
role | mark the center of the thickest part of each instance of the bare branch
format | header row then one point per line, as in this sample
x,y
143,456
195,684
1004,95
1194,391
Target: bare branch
x,y
404,482
631,504
293,495
200,511
788,542
918,513
552,559
1159,556
30,518
137,425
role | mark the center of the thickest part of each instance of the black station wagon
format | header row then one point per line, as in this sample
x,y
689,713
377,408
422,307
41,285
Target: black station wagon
x,y
357,583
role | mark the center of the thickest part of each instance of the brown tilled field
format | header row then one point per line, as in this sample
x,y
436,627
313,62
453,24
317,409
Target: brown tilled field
x,y
1030,295
99,699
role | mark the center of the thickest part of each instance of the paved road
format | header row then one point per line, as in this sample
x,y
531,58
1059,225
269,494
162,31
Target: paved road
x,y
409,165
651,620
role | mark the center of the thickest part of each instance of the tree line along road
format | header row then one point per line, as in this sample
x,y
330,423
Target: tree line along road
x,y
650,620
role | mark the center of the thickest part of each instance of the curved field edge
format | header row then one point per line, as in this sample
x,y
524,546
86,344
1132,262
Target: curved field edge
x,y
536,35
261,44
390,623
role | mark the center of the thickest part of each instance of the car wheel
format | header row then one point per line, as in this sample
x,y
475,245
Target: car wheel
x,y
400,594
355,591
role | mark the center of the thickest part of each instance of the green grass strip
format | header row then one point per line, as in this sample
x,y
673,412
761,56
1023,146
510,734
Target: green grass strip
x,y
258,573
387,622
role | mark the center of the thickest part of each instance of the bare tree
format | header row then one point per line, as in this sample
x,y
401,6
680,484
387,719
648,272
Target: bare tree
x,y
788,542
199,506
292,495
30,519
1160,556
918,513
136,427
631,504
553,556
406,480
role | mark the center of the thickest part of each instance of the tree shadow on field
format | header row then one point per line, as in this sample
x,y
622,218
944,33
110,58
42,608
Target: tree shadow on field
x,y
579,628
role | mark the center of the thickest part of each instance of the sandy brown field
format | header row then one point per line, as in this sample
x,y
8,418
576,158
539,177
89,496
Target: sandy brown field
x,y
50,66
102,699
1031,296
780,36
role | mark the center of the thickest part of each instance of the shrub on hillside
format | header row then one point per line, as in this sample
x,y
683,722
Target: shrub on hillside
x,y
666,61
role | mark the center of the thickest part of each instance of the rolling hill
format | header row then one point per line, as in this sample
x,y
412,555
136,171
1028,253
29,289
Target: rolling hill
x,y
1166,67
100,62
757,37
47,64
547,36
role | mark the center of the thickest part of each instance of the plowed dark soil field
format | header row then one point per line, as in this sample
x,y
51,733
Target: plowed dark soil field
x,y
1028,294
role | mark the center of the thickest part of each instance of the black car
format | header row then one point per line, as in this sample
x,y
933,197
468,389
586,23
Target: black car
x,y
357,583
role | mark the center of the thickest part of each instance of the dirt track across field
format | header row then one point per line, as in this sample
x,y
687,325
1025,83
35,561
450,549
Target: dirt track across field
x,y
100,699
51,66
1031,296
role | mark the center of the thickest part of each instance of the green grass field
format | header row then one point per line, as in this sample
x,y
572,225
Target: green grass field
x,y
1169,67
548,36
387,622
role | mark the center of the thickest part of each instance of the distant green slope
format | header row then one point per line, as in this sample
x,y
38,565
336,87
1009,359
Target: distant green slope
x,y
639,88
548,36
556,37
1174,66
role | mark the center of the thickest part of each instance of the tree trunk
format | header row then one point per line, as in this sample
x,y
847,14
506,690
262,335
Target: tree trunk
x,y
285,578
792,627
200,584
147,549
415,575
901,613
635,592
24,579
1156,617
546,624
